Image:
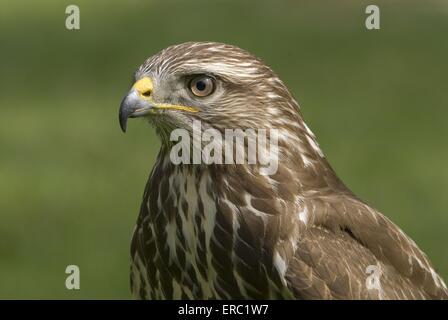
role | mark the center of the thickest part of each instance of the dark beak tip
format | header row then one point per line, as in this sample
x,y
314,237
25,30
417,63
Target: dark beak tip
x,y
123,115
123,123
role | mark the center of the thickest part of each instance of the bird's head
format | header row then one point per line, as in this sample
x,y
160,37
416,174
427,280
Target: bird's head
x,y
220,85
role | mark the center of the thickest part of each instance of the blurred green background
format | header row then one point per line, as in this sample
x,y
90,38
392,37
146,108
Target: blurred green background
x,y
71,182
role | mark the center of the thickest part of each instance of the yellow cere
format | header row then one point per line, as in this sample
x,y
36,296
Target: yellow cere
x,y
145,85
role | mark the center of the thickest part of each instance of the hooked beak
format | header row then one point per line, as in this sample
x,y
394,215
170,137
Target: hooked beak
x,y
138,103
133,107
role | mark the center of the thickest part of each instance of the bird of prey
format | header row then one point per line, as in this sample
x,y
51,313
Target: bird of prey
x,y
226,231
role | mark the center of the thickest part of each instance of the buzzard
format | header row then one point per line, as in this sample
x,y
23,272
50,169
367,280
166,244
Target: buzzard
x,y
227,231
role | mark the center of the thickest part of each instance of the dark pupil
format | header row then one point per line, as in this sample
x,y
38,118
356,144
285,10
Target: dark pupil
x,y
200,85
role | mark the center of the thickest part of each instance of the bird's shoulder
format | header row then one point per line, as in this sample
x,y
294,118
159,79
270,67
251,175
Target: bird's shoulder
x,y
343,238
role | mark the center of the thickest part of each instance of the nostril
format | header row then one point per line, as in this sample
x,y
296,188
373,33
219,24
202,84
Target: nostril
x,y
146,93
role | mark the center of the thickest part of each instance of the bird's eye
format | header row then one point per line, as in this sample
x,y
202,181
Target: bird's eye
x,y
202,86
